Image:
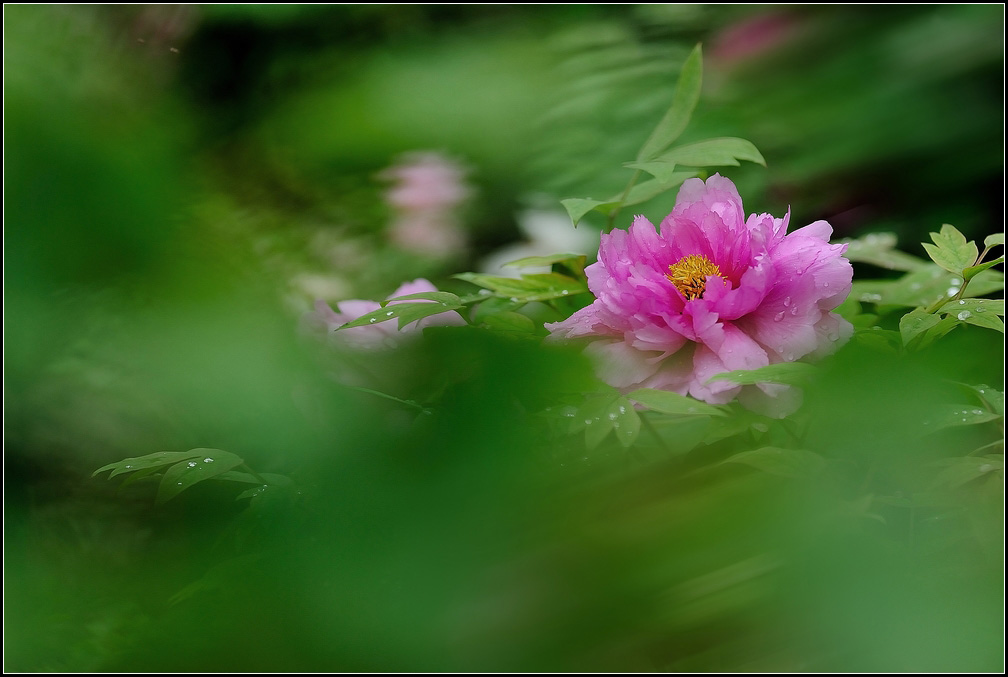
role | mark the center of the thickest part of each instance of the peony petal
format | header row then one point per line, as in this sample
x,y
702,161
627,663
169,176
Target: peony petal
x,y
619,364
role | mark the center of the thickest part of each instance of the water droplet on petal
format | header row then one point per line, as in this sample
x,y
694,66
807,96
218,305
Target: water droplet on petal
x,y
794,310
779,316
787,301
964,315
825,284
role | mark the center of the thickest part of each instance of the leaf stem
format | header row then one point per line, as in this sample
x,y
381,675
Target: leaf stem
x,y
377,393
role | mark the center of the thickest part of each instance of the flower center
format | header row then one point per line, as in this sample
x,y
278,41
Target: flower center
x,y
689,275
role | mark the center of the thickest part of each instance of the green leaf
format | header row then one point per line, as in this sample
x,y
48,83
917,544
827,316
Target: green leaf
x,y
643,192
944,326
577,207
509,321
249,478
684,100
575,262
951,251
993,306
924,287
880,339
971,272
916,322
879,249
953,415
995,240
405,312
664,172
151,462
959,471
443,297
979,312
785,372
667,402
724,151
991,397
536,287
796,463
626,422
185,474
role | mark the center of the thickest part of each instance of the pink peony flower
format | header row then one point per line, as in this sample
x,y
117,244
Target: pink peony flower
x,y
427,190
381,334
712,291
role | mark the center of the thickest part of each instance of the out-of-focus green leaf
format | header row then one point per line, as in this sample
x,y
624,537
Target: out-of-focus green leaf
x,y
950,250
779,461
509,321
153,461
785,372
724,151
957,415
684,100
626,422
185,474
667,402
995,240
971,272
959,471
249,478
577,207
879,249
916,322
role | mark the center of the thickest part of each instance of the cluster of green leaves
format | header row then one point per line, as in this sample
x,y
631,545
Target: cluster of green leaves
x,y
943,294
181,470
495,305
670,167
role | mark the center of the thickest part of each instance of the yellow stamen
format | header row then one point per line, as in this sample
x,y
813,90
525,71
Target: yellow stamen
x,y
689,275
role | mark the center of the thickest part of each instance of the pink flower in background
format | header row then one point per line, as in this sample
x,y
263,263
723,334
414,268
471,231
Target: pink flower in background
x,y
712,291
381,334
427,190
